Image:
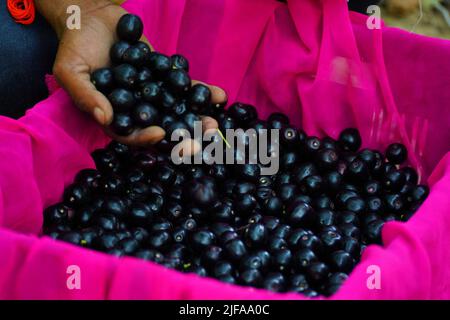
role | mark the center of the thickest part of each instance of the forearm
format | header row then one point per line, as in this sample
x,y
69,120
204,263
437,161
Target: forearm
x,y
55,12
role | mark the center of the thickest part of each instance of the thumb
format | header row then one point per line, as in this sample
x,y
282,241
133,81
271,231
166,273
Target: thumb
x,y
76,80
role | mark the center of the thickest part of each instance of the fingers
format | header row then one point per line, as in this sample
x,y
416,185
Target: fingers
x,y
190,147
154,134
218,95
76,80
209,123
142,137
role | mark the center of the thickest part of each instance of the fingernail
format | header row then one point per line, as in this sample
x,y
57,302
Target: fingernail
x,y
99,116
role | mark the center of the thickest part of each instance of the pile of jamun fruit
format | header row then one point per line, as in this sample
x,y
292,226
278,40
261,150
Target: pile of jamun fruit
x,y
300,230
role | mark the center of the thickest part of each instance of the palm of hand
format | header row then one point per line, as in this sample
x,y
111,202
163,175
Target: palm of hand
x,y
83,51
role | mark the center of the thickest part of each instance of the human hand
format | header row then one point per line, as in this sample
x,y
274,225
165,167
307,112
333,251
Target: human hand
x,y
82,51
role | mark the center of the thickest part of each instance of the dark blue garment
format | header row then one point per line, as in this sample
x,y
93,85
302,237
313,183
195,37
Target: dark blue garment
x,y
361,5
26,55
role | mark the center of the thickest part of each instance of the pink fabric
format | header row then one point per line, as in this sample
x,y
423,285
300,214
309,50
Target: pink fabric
x,y
311,60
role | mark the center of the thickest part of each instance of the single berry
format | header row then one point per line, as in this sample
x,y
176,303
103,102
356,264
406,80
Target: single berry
x,y
419,194
312,185
56,215
145,115
250,277
122,124
304,258
331,241
202,192
394,180
324,218
357,172
300,214
103,80
282,259
130,28
160,64
244,114
179,62
134,56
244,204
394,203
277,120
76,196
327,158
144,75
274,282
350,140
396,153
341,261
178,81
122,100
410,174
303,171
223,268
167,100
312,146
211,255
180,108
373,231
199,98
355,204
201,239
235,249
117,51
256,235
159,240
151,92
317,272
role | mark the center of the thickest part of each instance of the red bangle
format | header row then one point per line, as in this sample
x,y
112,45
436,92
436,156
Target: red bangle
x,y
22,11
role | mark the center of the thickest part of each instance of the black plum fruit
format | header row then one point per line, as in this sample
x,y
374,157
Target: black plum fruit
x,y
350,140
103,80
160,64
122,124
178,81
117,51
199,98
135,56
122,100
125,75
277,120
130,28
145,115
202,192
242,113
179,62
396,153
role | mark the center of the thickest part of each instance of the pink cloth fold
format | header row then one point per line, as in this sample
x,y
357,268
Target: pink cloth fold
x,y
312,60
